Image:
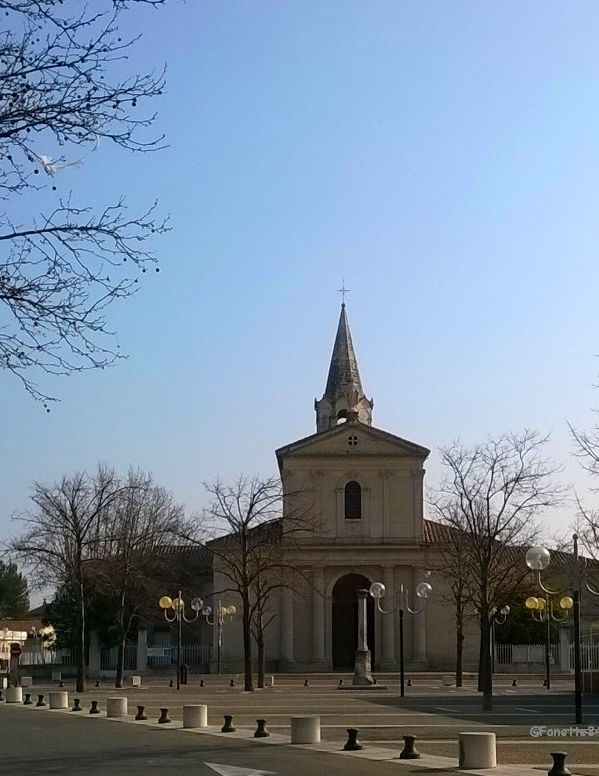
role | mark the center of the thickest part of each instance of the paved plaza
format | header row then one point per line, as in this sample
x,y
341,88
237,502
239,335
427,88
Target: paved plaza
x,y
432,712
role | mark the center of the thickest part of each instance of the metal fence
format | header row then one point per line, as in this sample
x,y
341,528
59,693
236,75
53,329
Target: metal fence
x,y
48,657
109,658
509,654
193,655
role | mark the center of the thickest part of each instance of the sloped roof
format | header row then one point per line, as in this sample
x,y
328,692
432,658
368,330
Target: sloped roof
x,y
343,370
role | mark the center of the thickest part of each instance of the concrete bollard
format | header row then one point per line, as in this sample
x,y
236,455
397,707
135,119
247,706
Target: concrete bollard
x,y
116,707
477,750
164,717
261,731
26,681
305,729
40,701
27,701
272,681
409,751
195,715
77,705
228,726
140,713
14,695
559,764
3,682
352,744
135,681
93,709
59,700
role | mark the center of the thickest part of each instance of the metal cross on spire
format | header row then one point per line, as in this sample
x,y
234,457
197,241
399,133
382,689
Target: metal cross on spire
x,y
343,291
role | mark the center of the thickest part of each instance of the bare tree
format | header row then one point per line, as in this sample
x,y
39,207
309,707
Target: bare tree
x,y
140,522
253,550
63,533
64,91
492,494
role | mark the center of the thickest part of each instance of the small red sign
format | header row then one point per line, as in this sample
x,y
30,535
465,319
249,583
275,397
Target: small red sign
x,y
15,649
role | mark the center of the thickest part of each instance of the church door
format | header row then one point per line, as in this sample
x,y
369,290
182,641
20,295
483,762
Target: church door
x,y
345,620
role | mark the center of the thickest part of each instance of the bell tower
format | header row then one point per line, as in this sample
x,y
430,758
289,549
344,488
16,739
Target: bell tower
x,y
344,399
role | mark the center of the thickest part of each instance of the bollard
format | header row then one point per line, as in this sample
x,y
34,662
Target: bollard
x,y
77,705
374,679
14,695
116,707
409,751
40,701
272,681
94,708
201,682
140,713
514,683
559,764
352,744
1,695
195,716
232,683
261,731
306,683
27,701
164,718
305,729
97,682
410,683
340,683
228,726
171,683
135,680
59,700
477,750
61,683
544,682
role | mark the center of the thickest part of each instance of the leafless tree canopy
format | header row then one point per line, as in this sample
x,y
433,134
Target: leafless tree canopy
x,y
491,496
65,91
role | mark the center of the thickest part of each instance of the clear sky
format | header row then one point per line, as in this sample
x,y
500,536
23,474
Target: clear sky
x,y
442,157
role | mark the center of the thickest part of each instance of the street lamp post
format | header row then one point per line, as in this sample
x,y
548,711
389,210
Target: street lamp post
x,y
177,604
423,590
498,619
538,559
218,619
543,610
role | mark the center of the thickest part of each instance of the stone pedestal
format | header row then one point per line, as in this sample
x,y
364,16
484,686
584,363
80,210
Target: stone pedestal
x,y
195,716
362,667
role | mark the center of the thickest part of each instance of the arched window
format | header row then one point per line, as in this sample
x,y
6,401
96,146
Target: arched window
x,y
353,501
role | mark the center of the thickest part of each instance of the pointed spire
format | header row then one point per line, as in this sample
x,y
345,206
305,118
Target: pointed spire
x,y
343,398
343,370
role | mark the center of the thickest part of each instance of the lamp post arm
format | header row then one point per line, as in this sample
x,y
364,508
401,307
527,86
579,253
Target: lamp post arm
x,y
381,610
546,589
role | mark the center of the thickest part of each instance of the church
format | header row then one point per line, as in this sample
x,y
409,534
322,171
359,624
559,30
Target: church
x,y
366,485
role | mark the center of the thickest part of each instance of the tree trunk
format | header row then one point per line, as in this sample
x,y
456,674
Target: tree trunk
x,y
261,659
459,643
80,684
248,684
120,663
486,672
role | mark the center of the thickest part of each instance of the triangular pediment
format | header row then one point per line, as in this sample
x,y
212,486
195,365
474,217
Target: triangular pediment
x,y
352,439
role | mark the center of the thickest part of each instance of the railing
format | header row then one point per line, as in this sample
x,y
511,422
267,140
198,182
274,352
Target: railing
x,y
48,657
193,655
589,655
109,658
509,654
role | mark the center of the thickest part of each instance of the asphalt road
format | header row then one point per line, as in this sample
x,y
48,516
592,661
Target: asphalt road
x,y
36,743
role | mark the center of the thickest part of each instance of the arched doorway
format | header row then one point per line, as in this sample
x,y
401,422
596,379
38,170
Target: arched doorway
x,y
345,620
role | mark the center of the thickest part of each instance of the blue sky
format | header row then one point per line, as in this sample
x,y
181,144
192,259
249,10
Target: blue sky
x,y
441,157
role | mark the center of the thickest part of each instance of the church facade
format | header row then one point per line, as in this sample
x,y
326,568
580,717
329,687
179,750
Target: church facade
x,y
365,487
